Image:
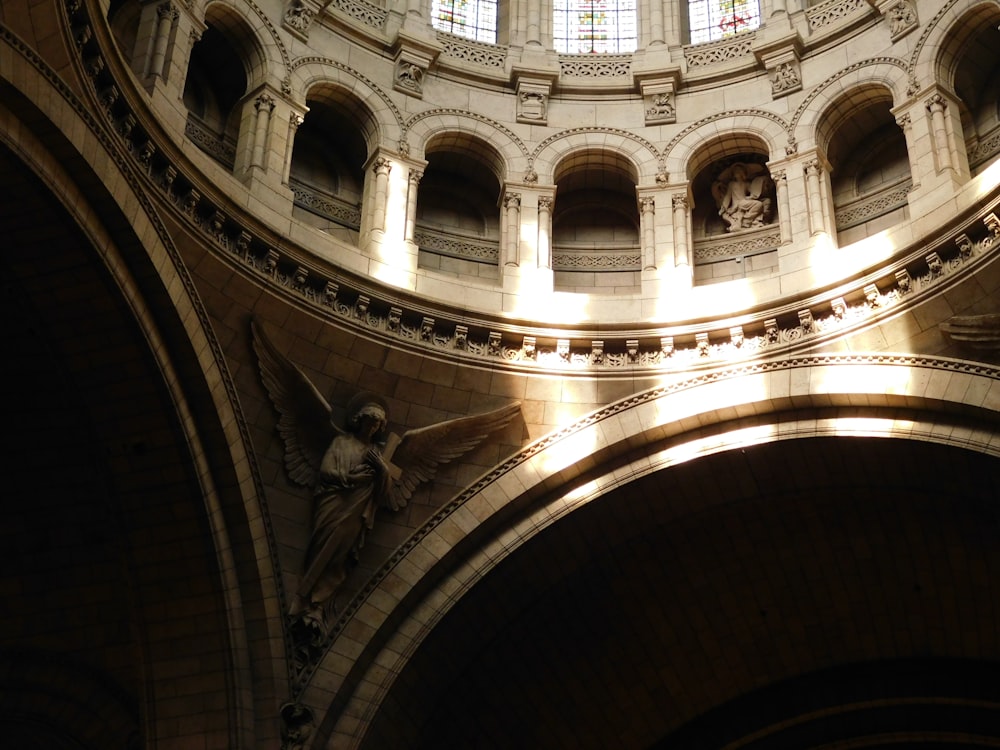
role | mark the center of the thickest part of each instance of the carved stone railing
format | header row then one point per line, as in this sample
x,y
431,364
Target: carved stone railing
x,y
626,257
324,204
471,51
737,245
367,13
595,66
984,149
473,249
832,11
724,50
872,206
210,141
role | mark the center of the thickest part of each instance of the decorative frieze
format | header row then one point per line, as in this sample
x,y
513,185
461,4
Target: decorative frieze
x,y
472,52
595,66
325,205
465,248
871,207
833,11
597,261
367,13
713,53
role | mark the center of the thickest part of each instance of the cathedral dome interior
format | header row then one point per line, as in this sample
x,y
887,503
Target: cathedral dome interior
x,y
501,374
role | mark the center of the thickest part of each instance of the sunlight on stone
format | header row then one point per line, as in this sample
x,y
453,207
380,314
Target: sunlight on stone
x,y
869,379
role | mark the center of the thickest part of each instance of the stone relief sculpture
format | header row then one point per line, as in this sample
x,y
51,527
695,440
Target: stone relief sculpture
x,y
409,76
298,16
901,18
661,108
744,194
785,79
532,105
352,471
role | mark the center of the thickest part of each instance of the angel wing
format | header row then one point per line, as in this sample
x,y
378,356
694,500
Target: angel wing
x,y
304,423
718,192
421,451
759,186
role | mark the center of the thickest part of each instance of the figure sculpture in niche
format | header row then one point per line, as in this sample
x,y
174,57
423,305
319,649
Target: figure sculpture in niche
x,y
743,194
352,471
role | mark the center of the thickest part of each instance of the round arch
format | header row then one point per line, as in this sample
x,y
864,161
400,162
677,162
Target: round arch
x,y
862,76
134,256
938,51
731,131
437,126
261,61
383,122
936,401
623,148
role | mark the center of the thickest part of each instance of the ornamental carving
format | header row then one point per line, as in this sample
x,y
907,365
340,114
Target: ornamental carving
x,y
409,77
531,106
470,51
832,11
701,55
368,14
744,194
660,108
785,79
599,66
902,18
298,17
352,470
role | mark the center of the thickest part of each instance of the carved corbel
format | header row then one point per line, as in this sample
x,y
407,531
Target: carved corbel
x,y
299,16
900,16
780,58
659,97
414,57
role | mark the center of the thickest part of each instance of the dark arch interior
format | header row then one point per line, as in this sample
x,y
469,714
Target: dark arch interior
x,y
666,612
103,516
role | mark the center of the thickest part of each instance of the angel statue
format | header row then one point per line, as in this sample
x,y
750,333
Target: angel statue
x,y
743,195
353,470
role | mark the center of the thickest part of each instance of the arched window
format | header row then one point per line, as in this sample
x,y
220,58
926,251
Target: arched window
x,y
584,26
473,19
709,20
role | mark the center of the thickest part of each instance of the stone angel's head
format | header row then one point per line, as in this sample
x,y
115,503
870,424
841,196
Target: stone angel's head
x,y
368,413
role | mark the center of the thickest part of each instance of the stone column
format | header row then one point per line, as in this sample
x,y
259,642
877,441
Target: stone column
x,y
533,31
264,104
381,168
512,225
936,105
412,188
682,253
294,121
656,36
906,125
814,199
647,217
545,232
166,17
784,210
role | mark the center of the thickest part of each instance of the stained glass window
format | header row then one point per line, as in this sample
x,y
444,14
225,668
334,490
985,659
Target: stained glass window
x,y
584,26
709,20
473,19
